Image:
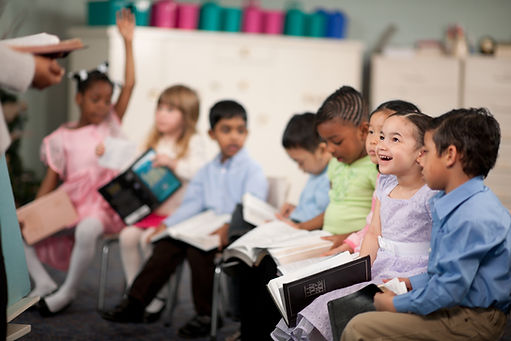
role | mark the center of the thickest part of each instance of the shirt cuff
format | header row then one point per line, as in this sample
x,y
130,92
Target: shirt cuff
x,y
402,303
419,281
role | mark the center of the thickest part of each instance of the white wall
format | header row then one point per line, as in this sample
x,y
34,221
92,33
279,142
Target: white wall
x,y
367,19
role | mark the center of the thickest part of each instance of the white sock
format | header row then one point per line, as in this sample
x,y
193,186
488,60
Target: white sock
x,y
130,255
86,235
43,283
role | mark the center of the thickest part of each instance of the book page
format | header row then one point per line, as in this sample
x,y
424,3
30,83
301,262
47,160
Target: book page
x,y
38,39
256,211
197,230
119,153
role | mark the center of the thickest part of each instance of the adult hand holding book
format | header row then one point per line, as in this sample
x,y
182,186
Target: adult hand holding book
x,y
44,44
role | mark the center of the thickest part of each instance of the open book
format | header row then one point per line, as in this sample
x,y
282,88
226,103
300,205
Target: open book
x,y
284,243
257,211
294,291
46,215
140,189
197,230
44,44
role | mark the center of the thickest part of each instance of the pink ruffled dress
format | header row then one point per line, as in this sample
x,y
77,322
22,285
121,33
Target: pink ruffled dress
x,y
70,152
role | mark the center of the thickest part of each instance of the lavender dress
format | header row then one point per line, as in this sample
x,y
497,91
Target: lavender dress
x,y
406,221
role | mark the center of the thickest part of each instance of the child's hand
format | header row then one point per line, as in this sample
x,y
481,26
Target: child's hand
x,y
162,160
401,279
222,234
126,24
286,209
336,249
156,231
287,221
383,301
100,149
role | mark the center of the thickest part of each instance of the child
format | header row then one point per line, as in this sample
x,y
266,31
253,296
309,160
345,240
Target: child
x,y
376,119
342,122
70,155
465,292
219,186
258,313
178,147
398,237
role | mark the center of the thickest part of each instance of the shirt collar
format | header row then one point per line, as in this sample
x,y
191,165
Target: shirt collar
x,y
446,203
237,158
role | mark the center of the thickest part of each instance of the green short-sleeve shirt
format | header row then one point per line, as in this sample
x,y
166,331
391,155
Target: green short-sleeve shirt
x,y
351,192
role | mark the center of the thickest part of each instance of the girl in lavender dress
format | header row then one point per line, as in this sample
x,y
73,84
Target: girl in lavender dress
x,y
398,237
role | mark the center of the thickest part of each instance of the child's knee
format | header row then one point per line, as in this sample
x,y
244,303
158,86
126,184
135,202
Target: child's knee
x,y
129,236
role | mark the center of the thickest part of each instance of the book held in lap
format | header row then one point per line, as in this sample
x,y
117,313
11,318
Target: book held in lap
x,y
197,230
140,189
46,216
295,290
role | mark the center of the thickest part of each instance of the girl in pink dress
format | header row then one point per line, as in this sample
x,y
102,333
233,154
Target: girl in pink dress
x,y
71,156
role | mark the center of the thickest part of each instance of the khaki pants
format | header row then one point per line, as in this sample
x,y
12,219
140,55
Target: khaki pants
x,y
457,323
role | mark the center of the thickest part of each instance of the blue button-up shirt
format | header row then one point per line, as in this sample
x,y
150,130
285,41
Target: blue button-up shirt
x,y
470,259
220,186
314,198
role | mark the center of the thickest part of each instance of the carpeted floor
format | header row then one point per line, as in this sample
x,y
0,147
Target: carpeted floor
x,y
81,321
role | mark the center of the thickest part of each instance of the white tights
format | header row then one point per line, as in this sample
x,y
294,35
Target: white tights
x,y
87,233
130,239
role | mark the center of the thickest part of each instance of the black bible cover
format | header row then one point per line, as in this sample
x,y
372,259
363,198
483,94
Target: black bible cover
x,y
300,293
343,309
140,189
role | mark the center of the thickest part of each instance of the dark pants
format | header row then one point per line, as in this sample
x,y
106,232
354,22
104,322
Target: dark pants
x,y
258,312
167,255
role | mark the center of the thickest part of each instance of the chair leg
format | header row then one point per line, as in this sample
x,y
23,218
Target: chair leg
x,y
173,291
215,306
103,270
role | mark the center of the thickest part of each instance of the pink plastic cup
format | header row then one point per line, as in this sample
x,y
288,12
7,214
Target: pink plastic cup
x,y
163,14
187,16
252,19
273,22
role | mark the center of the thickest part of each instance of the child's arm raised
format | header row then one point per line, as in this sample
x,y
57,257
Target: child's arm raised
x,y
126,26
49,183
370,244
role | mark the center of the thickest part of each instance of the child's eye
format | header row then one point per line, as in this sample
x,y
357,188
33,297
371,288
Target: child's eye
x,y
241,131
395,139
382,137
225,130
337,143
371,132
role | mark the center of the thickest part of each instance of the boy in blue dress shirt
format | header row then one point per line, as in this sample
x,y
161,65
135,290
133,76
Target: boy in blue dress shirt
x,y
218,186
465,294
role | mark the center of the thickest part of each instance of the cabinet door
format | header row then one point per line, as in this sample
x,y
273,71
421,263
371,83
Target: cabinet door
x,y
488,84
431,83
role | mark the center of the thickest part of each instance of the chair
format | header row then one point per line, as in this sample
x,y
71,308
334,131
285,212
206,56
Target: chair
x,y
173,283
278,189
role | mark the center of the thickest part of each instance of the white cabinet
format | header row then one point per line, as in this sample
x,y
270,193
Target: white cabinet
x,y
430,82
488,84
439,84
274,77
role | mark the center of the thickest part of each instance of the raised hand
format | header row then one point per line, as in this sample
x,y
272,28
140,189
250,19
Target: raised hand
x,y
126,24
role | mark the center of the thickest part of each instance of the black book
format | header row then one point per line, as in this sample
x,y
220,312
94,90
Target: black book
x,y
292,295
343,309
140,189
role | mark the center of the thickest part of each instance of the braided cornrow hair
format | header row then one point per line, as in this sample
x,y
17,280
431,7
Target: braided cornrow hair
x,y
345,103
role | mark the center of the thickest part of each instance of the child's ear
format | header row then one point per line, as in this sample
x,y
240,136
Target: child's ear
x,y
78,98
451,155
364,130
211,134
